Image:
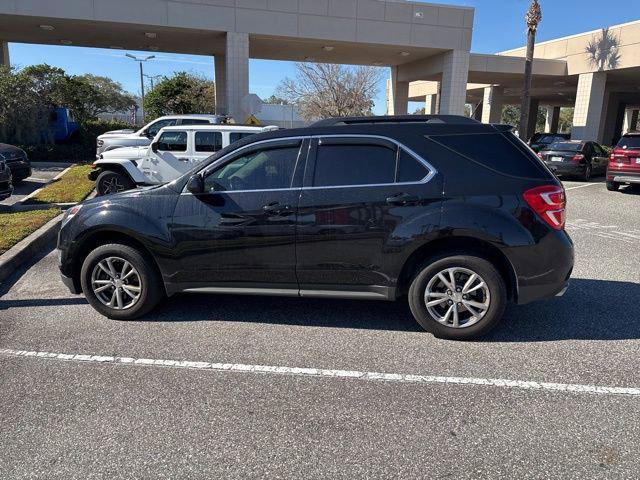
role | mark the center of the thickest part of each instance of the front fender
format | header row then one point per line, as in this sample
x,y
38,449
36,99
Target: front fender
x,y
128,166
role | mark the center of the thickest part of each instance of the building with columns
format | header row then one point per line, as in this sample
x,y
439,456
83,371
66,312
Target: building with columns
x,y
368,32
602,85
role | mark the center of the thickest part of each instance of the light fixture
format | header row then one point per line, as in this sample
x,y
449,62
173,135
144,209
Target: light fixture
x,y
116,47
66,42
404,54
309,59
150,34
377,64
154,48
328,48
47,27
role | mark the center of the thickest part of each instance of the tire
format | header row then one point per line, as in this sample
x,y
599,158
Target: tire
x,y
110,181
613,186
148,282
586,176
477,325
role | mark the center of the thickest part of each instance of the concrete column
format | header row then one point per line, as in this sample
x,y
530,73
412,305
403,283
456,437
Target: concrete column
x,y
553,120
220,65
587,117
237,75
4,54
453,87
533,117
430,104
492,104
630,120
398,95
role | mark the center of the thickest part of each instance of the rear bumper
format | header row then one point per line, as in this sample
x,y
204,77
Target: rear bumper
x,y
566,169
623,177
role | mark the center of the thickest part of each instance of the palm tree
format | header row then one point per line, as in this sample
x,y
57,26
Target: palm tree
x,y
533,18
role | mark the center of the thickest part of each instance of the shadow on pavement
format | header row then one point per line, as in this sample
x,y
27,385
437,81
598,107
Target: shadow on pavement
x,y
41,302
590,310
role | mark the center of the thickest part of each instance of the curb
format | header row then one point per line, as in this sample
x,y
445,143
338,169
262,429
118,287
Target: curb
x,y
28,247
35,192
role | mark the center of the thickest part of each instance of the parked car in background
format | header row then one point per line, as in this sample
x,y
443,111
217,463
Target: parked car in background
x,y
624,162
63,125
134,138
575,158
459,216
174,151
17,161
540,141
6,188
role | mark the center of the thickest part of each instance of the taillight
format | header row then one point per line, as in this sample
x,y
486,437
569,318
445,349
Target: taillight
x,y
549,202
577,158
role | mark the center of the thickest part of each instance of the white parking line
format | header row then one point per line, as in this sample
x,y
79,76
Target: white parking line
x,y
581,186
320,372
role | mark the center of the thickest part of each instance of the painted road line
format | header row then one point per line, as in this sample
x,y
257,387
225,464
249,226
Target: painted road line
x,y
582,186
326,373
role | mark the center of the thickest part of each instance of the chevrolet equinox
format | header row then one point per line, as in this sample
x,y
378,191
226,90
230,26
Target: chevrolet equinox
x,y
457,216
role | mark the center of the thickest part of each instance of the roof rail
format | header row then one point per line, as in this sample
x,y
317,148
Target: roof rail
x,y
432,119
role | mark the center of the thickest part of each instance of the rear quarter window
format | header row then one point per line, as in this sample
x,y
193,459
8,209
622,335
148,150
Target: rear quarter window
x,y
501,152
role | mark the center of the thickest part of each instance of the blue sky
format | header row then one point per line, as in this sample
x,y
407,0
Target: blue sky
x,y
498,25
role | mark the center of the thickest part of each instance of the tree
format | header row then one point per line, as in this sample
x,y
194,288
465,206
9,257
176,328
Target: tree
x,y
323,90
103,95
181,93
511,116
275,100
533,18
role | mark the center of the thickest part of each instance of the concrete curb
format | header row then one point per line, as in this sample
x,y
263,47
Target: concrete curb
x,y
28,247
34,193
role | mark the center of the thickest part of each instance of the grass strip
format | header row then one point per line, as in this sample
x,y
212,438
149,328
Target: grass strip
x,y
16,226
72,187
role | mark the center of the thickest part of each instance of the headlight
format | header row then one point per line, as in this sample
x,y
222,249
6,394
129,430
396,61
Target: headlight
x,y
100,143
72,212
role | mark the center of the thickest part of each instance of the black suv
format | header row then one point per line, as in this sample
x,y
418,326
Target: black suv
x,y
459,216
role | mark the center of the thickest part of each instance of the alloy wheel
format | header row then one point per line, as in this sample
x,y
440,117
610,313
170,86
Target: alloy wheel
x,y
112,185
457,297
116,283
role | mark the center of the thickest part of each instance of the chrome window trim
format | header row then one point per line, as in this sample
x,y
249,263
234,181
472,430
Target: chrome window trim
x,y
432,170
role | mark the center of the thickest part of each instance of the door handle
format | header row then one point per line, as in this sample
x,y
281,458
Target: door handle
x,y
275,208
402,199
183,159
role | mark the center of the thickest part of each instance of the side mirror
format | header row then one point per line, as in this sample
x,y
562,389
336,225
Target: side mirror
x,y
154,147
195,184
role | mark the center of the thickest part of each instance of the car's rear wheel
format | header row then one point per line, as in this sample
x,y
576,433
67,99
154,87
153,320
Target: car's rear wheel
x,y
120,282
458,297
586,176
109,182
613,186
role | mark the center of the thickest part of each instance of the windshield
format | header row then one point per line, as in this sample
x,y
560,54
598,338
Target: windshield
x,y
566,146
631,142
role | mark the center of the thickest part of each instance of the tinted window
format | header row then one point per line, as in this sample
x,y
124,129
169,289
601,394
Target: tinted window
x,y
550,138
257,170
566,146
629,142
173,142
194,121
154,128
235,136
354,165
410,169
496,151
208,141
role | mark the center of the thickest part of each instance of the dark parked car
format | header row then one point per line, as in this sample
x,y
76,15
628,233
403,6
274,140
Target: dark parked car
x,y
17,161
541,141
459,216
624,162
575,158
6,189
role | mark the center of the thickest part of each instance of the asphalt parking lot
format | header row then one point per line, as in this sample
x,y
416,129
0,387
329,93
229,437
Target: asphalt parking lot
x,y
42,173
190,391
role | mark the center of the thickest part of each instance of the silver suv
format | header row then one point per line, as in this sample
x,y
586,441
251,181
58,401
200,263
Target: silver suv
x,y
131,138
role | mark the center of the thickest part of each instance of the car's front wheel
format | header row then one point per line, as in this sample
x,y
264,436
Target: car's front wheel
x,y
458,297
109,182
613,186
120,282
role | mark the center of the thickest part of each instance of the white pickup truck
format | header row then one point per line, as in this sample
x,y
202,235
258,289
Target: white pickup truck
x,y
174,151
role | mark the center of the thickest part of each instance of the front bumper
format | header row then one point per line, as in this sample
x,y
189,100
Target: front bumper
x,y
70,284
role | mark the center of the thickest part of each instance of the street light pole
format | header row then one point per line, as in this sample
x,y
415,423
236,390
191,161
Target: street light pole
x,y
140,60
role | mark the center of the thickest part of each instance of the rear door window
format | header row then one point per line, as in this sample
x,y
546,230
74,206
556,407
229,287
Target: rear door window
x,y
350,164
410,169
208,141
496,151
